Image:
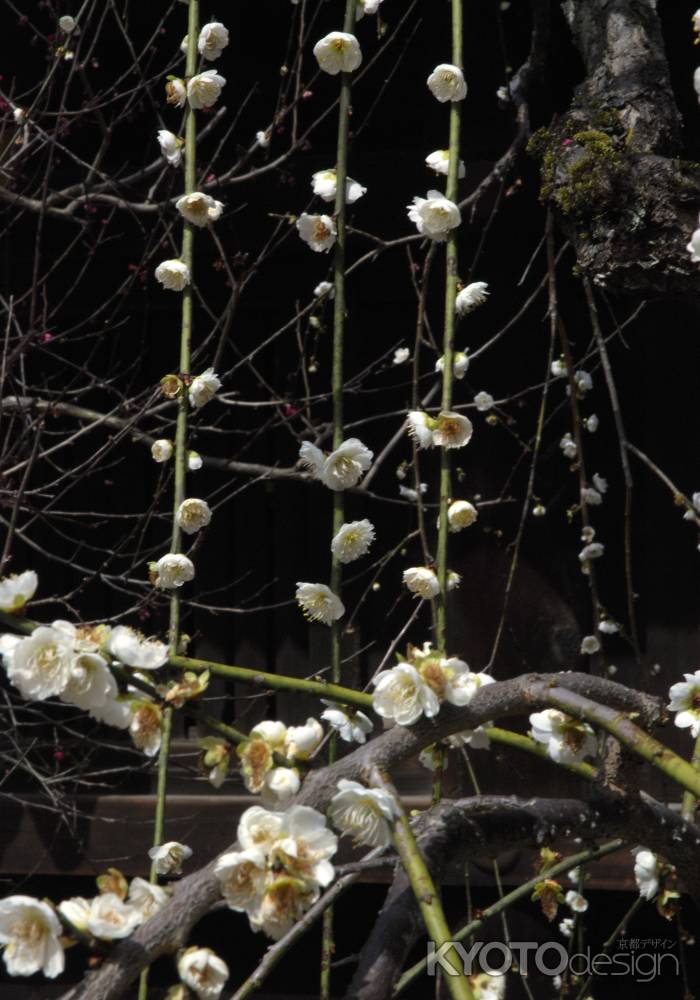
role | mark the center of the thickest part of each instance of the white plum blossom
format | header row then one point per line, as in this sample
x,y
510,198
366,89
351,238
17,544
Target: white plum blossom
x,y
174,275
435,216
340,470
176,93
352,726
567,740
470,297
30,932
203,971
324,288
301,741
422,581
558,368
324,184
461,514
281,784
693,247
439,161
91,684
401,355
460,364
608,627
410,494
401,694
203,388
419,428
352,540
318,231
198,208
566,927
600,484
583,382
193,515
40,664
483,401
263,138
213,39
17,589
66,23
170,147
173,570
685,702
145,726
365,814
146,897
452,430
194,461
539,510
110,918
646,873
19,115
591,497
366,7
162,450
338,52
447,83
590,644
593,551
168,857
204,89
319,603
241,874
117,712
576,902
568,446
592,423
76,910
130,647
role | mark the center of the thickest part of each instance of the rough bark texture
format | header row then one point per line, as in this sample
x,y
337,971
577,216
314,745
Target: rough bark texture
x,y
611,166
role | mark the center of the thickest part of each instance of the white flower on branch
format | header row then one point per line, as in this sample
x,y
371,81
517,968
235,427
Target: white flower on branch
x,y
169,857
76,910
410,494
173,570
132,648
600,484
280,785
203,971
590,644
593,551
319,603
422,581
263,138
338,52
558,368
115,712
403,696
162,450
203,388
324,288
204,89
591,423
91,684
365,814
176,92
198,208
318,231
460,364
420,428
170,147
646,873
608,627
366,7
470,297
242,874
145,727
213,39
352,726
576,902
439,161
301,741
685,702
340,470
483,401
110,918
461,514
693,247
39,665
30,932
583,382
17,589
66,24
146,897
435,216
567,740
193,515
452,430
568,446
591,497
352,540
194,459
324,184
566,927
174,275
401,355
447,83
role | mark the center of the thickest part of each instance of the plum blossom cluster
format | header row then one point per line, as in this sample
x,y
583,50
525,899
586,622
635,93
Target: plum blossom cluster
x,y
421,682
268,756
280,864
